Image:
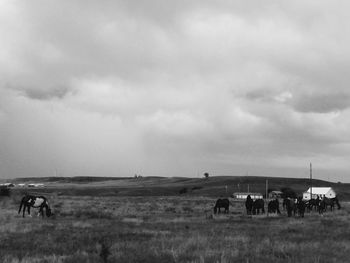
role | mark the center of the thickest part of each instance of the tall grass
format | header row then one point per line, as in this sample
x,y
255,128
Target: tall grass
x,y
167,229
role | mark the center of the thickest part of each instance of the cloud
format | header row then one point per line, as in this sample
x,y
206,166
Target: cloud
x,y
198,83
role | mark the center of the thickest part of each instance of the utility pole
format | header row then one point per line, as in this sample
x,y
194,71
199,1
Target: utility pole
x,y
267,187
311,180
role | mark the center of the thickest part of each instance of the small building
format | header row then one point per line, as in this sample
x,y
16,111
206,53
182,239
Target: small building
x,y
244,195
7,184
319,192
275,194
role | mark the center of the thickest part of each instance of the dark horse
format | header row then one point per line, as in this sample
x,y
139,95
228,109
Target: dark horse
x,y
221,203
313,204
273,206
40,202
249,205
325,202
290,206
301,205
258,205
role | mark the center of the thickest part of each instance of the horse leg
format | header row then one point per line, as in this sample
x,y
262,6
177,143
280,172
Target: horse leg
x,y
321,208
338,204
20,207
41,211
29,211
24,209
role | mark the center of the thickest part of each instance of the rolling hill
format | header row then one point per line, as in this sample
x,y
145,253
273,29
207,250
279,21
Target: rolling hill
x,y
158,186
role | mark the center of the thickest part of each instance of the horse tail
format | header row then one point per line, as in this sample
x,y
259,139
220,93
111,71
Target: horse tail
x,y
337,202
47,204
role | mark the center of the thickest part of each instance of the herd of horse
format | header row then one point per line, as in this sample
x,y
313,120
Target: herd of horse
x,y
292,206
253,207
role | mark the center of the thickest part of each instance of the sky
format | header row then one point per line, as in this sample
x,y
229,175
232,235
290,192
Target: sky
x,y
175,88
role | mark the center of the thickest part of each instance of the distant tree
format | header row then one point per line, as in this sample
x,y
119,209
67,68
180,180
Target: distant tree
x,y
206,175
288,192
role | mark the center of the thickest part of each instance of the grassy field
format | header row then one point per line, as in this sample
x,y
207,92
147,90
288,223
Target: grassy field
x,y
167,229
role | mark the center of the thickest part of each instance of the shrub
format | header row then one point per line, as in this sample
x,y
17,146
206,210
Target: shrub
x,y
5,191
183,191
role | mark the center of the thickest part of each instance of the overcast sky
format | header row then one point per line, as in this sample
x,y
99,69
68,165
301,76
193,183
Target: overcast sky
x,y
175,88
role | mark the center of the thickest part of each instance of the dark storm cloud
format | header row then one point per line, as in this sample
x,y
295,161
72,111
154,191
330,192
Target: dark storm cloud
x,y
44,93
322,103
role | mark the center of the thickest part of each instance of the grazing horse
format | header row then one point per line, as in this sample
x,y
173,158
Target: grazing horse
x,y
249,205
258,205
313,204
222,203
300,206
290,206
273,206
328,202
40,202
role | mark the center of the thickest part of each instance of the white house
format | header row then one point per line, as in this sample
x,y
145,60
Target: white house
x,y
35,185
320,192
244,195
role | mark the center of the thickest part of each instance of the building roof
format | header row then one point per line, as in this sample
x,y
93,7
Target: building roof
x,y
276,192
319,190
247,193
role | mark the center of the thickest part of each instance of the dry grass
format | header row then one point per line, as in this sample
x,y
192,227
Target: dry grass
x,y
167,229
